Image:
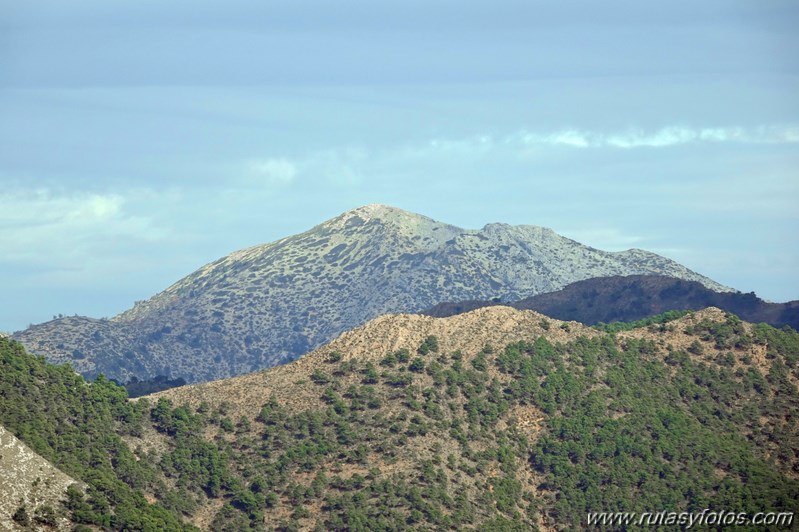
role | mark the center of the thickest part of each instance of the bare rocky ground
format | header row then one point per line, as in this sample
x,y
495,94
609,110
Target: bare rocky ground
x,y
27,479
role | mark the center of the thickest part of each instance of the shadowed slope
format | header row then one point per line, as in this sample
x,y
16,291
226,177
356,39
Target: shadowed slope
x,y
634,297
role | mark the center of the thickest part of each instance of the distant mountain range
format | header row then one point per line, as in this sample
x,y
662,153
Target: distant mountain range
x,y
271,303
634,297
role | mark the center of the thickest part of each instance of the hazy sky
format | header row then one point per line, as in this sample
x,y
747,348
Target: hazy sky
x,y
142,139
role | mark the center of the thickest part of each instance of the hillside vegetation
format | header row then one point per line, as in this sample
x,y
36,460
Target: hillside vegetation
x,y
363,434
79,428
269,304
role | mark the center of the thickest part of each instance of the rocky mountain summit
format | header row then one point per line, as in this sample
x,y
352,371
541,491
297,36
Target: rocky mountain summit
x,y
268,304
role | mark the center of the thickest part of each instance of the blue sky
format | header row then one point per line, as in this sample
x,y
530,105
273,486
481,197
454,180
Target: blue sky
x,y
140,140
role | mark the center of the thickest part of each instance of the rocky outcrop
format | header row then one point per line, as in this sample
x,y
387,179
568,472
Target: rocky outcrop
x,y
29,482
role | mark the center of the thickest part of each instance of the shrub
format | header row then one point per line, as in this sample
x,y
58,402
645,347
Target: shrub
x,y
430,344
417,366
21,516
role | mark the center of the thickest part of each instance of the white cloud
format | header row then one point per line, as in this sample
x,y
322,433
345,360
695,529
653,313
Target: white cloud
x,y
668,136
64,229
272,171
339,167
566,137
660,138
348,167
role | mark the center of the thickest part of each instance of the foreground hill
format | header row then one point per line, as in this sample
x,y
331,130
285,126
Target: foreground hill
x,y
413,422
269,304
635,297
371,343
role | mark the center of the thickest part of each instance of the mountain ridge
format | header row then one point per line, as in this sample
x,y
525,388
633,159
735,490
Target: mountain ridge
x,y
386,334
635,297
333,374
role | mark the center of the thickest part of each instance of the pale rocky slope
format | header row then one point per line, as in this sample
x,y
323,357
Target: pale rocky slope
x,y
269,304
29,480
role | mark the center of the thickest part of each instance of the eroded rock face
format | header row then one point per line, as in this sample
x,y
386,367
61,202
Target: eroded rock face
x,y
30,481
269,304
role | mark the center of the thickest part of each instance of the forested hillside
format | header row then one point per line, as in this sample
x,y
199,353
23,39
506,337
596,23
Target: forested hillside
x,y
79,427
693,413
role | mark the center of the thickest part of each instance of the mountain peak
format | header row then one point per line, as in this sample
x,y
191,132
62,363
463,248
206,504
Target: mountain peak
x,y
403,222
378,211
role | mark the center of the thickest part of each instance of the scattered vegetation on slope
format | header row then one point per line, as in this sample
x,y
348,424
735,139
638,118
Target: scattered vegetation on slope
x,y
696,414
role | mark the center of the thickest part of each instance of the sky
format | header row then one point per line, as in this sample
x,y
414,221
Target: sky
x,y
142,139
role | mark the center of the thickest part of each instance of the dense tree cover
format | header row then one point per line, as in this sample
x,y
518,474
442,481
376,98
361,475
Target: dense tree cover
x,y
139,388
638,438
659,319
77,426
502,439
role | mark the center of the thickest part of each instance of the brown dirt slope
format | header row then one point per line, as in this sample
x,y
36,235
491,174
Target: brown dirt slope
x,y
470,332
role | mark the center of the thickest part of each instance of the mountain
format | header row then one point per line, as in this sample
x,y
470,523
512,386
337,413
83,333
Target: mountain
x,y
635,297
269,304
497,419
545,422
